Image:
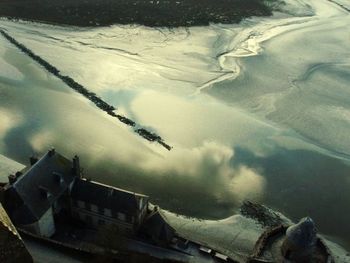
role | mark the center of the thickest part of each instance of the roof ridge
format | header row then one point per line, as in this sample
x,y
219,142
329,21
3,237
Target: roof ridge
x,y
114,188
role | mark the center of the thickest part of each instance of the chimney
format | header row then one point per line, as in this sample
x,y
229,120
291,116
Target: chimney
x,y
12,178
18,174
76,166
33,160
51,152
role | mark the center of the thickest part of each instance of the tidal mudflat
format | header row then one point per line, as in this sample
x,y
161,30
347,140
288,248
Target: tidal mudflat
x,y
257,110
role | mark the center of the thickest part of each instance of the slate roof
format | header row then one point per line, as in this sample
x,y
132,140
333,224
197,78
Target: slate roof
x,y
40,186
105,196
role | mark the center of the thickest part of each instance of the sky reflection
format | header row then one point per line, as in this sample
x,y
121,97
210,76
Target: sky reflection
x,y
223,153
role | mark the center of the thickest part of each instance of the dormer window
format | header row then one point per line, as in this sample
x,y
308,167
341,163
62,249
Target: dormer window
x,y
58,178
44,192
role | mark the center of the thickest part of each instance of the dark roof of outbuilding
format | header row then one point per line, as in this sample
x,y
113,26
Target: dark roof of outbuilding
x,y
105,196
157,227
41,185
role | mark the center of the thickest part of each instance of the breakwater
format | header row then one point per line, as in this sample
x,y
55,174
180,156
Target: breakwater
x,y
340,5
100,103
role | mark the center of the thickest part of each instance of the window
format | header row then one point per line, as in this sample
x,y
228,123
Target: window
x,y
101,210
81,204
94,208
108,212
101,222
121,216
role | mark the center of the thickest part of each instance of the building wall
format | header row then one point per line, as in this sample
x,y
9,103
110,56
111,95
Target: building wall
x,y
46,224
97,217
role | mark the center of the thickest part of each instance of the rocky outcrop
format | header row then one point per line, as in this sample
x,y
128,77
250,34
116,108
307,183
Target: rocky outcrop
x,y
262,214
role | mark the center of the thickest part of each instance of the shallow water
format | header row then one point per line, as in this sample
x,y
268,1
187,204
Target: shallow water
x,y
256,111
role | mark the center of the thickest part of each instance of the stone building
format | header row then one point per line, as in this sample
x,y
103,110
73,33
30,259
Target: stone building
x,y
35,196
97,205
